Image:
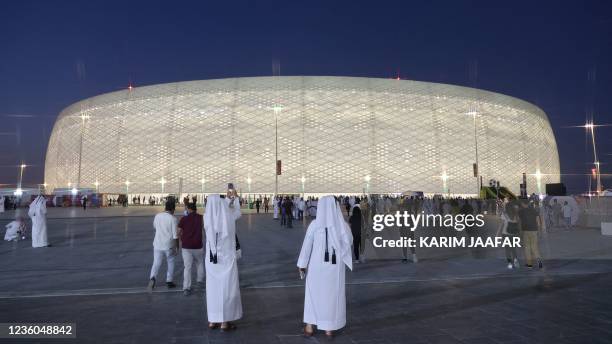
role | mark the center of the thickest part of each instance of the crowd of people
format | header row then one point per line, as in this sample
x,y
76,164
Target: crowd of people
x,y
216,251
526,218
9,202
336,237
210,243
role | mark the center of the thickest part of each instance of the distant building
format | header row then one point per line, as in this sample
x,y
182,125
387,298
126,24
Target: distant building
x,y
335,134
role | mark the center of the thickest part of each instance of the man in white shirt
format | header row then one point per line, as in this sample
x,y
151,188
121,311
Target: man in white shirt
x,y
165,244
301,206
566,210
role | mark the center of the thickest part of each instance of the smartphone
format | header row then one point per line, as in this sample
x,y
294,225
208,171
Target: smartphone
x,y
231,193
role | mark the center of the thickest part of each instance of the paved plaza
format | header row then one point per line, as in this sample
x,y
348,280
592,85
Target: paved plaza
x,y
96,272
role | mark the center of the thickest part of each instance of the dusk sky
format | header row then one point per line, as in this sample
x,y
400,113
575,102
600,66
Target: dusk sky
x,y
554,54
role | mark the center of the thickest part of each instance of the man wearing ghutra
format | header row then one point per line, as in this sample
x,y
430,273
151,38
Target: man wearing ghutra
x,y
325,252
223,304
38,214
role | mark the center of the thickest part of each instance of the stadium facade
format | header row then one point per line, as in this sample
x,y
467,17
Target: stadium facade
x,y
332,134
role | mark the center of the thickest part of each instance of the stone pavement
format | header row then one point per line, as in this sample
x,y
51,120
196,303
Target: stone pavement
x,y
97,269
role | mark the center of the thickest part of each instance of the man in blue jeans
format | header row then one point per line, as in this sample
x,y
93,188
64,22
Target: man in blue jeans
x,y
190,231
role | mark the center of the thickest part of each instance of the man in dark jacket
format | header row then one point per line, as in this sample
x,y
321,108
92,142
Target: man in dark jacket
x,y
191,229
288,211
355,220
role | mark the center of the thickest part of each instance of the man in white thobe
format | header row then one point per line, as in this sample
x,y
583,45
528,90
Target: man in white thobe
x,y
295,207
325,252
276,207
223,303
38,214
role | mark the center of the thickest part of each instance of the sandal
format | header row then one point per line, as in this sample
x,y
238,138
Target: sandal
x,y
213,326
228,327
308,333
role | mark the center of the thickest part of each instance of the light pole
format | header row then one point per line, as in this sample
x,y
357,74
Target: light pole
x,y
538,176
590,127
367,180
83,117
127,187
21,168
444,178
303,180
97,185
474,113
163,183
277,109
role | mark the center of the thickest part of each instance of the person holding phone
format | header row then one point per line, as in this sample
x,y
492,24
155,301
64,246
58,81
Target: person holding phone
x,y
325,252
223,301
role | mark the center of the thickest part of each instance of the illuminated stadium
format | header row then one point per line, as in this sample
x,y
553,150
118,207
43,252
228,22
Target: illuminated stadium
x,y
332,135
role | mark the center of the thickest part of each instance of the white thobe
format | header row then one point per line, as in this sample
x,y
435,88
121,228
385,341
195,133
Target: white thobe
x,y
222,285
325,298
38,214
275,208
11,231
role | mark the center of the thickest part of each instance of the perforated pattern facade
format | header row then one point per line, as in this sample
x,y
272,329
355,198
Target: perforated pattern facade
x,y
335,134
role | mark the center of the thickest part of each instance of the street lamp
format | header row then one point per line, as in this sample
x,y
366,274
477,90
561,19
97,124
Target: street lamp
x,y
367,180
97,185
474,113
538,177
127,187
162,182
84,117
444,178
303,180
22,167
277,108
249,180
589,127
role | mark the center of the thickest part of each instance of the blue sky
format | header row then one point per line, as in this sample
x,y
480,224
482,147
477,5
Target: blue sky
x,y
554,54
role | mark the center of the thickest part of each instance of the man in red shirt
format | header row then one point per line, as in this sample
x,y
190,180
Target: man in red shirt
x,y
190,232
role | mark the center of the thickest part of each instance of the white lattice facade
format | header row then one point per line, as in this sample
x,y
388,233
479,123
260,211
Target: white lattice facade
x,y
335,134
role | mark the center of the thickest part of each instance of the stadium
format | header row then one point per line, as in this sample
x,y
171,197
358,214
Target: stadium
x,y
332,135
